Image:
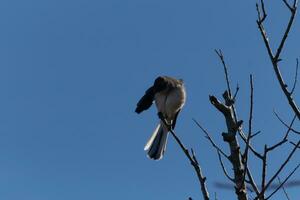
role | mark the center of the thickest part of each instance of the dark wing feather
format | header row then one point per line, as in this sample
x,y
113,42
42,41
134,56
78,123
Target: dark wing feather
x,y
146,101
161,83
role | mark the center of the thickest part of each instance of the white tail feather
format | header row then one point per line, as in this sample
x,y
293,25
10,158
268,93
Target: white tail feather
x,y
156,145
150,141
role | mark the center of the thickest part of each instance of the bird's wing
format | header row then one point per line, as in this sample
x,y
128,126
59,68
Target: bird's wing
x,y
146,101
161,83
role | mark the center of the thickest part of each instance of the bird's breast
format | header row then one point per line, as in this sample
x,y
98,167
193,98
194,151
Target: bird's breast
x,y
160,101
170,102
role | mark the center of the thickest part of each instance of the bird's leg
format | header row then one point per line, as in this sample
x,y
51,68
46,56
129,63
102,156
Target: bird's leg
x,y
163,119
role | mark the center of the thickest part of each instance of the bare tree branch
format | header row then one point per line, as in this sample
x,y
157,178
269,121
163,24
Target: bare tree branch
x,y
288,5
294,144
223,168
289,127
296,77
264,173
288,28
264,162
192,159
255,134
236,92
230,138
283,188
285,180
251,181
275,58
220,54
230,102
202,178
245,155
284,139
264,15
242,135
207,135
280,168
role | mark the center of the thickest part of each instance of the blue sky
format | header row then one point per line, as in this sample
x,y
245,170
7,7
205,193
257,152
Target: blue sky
x,y
71,74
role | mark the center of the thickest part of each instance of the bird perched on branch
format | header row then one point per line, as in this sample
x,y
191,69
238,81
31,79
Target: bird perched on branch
x,y
169,96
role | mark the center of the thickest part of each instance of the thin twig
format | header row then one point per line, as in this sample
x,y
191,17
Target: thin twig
x,y
287,5
275,59
296,77
285,180
223,167
202,178
286,125
242,135
251,181
264,15
192,159
245,155
220,54
255,134
281,167
283,189
288,28
264,173
223,108
263,9
294,144
207,135
236,92
284,139
195,164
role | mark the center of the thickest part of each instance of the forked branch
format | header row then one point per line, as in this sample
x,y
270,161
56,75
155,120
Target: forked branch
x,y
275,58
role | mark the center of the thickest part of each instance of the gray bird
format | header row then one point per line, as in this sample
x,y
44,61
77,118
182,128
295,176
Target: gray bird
x,y
169,96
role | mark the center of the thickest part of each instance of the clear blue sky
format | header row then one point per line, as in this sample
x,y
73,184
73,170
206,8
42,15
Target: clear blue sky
x,y
71,73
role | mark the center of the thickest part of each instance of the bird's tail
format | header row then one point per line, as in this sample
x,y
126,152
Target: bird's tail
x,y
157,143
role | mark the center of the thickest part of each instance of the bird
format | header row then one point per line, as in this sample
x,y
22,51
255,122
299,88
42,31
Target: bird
x,y
169,95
